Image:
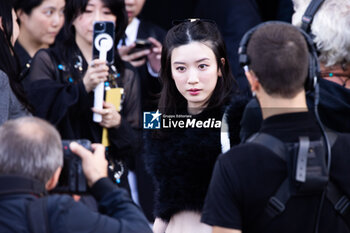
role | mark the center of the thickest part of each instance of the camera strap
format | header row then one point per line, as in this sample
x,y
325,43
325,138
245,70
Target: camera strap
x,y
37,216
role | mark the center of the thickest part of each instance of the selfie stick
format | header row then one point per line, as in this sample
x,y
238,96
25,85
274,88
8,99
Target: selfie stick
x,y
103,44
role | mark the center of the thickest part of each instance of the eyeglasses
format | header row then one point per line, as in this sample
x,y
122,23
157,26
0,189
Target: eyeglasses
x,y
191,20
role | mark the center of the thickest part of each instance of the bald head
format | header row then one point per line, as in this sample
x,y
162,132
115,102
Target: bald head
x,y
30,147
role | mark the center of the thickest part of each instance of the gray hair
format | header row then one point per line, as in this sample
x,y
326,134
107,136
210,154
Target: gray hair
x,y
30,147
331,27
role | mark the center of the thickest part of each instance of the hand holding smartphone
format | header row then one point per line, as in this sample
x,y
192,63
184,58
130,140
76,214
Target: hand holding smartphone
x,y
141,44
103,49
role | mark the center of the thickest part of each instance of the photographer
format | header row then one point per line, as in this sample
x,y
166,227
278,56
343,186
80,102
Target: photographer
x,y
31,160
256,186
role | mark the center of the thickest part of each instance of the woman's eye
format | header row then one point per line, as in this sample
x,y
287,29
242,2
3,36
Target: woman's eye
x,y
202,66
106,11
88,11
48,12
180,68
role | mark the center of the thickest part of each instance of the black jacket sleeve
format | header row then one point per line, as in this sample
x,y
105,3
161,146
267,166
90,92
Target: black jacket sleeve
x,y
52,99
117,212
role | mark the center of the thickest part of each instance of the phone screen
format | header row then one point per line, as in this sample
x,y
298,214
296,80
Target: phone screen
x,y
103,41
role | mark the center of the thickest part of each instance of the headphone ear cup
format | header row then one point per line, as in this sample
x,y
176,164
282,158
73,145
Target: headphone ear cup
x,y
243,58
314,67
309,82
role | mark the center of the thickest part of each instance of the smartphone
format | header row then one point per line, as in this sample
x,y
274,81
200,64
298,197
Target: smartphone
x,y
141,44
103,41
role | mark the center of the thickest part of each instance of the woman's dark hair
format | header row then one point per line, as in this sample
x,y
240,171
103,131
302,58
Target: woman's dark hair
x,y
74,8
171,101
26,5
8,61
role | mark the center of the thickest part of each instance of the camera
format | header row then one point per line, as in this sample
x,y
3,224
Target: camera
x,y
72,178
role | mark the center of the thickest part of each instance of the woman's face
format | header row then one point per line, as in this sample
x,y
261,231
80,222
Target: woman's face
x,y
83,24
195,72
133,8
44,22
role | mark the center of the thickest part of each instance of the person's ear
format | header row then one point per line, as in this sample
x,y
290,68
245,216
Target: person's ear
x,y
21,15
223,64
52,182
1,28
253,80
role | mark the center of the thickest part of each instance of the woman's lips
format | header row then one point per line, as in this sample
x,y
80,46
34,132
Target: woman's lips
x,y
194,91
53,34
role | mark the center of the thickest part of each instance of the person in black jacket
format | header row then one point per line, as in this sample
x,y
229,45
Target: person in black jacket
x,y
30,164
39,22
147,62
62,79
197,87
245,192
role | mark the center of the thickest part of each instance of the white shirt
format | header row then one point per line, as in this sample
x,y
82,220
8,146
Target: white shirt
x,y
131,32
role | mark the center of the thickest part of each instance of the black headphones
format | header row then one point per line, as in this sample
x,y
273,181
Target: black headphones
x,y
314,66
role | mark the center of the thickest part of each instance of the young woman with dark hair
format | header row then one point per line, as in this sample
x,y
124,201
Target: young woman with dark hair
x,y
172,101
39,21
62,80
197,87
12,99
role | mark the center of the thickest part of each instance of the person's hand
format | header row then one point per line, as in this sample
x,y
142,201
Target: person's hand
x,y
94,164
132,58
110,116
155,55
96,73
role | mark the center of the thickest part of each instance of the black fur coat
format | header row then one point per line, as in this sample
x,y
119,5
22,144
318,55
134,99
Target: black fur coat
x,y
181,161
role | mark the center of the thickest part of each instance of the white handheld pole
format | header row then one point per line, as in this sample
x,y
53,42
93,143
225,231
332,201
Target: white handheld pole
x,y
103,44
